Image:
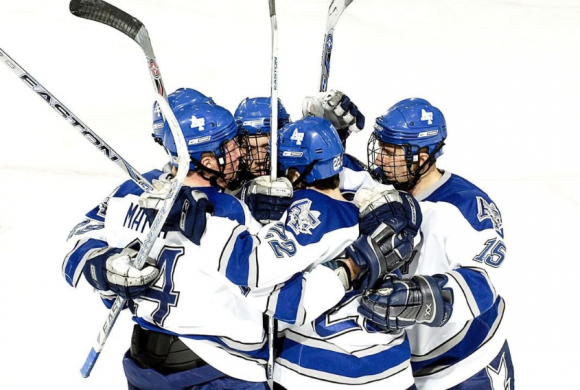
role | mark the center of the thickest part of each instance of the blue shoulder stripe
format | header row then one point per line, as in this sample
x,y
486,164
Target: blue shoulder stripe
x,y
312,209
352,163
225,205
475,205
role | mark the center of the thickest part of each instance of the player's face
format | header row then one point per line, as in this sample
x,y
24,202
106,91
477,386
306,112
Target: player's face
x,y
391,159
233,154
255,150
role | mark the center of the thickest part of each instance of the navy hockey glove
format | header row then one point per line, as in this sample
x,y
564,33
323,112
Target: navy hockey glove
x,y
383,204
267,199
187,215
386,250
401,303
338,109
110,269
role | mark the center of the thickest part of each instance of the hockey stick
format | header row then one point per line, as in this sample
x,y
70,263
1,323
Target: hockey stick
x,y
105,13
273,163
336,9
67,114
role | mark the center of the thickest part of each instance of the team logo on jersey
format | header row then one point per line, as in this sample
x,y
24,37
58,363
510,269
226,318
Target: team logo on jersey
x,y
499,378
427,116
197,122
301,219
489,211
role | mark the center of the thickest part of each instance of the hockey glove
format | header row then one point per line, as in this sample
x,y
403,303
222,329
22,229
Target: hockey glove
x,y
338,109
383,204
267,199
386,250
187,215
401,303
110,269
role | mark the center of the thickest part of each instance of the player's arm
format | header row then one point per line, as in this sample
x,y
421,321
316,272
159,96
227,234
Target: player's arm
x,y
476,258
84,240
300,299
475,251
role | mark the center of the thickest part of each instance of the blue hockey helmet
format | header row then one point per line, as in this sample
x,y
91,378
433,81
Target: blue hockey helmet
x,y
413,125
180,97
253,116
206,128
312,146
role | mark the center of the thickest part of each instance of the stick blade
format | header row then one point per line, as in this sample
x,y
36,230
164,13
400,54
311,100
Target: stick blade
x,y
103,12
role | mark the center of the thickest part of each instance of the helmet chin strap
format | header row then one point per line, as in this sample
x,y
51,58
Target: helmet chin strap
x,y
215,175
306,172
415,177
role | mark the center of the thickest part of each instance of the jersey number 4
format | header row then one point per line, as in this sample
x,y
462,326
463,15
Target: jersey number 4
x,y
162,292
493,254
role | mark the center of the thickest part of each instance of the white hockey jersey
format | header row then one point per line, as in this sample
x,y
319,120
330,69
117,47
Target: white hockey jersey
x,y
213,295
462,238
333,350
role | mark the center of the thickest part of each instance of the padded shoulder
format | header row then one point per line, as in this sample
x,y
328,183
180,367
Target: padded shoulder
x,y
474,204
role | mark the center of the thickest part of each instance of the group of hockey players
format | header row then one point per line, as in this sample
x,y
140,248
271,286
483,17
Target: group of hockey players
x,y
378,275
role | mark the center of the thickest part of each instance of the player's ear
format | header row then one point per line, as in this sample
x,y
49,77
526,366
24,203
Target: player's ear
x,y
423,156
208,160
293,175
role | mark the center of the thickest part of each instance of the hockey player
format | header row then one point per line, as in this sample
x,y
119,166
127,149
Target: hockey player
x,y
176,345
462,249
333,350
253,119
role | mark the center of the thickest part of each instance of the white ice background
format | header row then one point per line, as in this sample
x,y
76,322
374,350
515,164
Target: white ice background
x,y
506,74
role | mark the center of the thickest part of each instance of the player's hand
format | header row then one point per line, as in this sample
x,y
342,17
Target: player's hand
x,y
110,269
400,303
335,107
267,199
384,204
380,253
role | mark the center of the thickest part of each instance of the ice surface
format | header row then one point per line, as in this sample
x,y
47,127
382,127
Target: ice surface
x,y
505,73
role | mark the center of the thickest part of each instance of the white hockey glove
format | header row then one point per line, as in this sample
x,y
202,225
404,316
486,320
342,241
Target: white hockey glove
x,y
267,199
335,107
156,199
110,269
